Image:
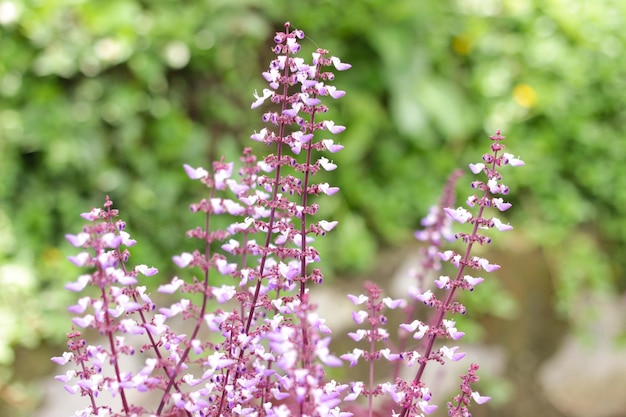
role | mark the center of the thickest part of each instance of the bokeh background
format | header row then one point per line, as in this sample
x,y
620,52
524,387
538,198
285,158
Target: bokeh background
x,y
112,97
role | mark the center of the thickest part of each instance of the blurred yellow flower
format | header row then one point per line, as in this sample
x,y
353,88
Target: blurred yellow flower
x,y
462,44
524,95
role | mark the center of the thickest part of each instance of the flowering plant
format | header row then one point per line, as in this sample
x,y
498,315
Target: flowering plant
x,y
244,338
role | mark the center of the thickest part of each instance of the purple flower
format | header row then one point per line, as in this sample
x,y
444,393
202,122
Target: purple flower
x,y
450,353
330,145
195,173
477,168
326,164
78,240
81,259
93,215
501,226
261,99
359,316
479,398
353,357
512,160
460,214
327,189
500,204
340,66
172,287
183,260
357,300
330,126
80,284
145,270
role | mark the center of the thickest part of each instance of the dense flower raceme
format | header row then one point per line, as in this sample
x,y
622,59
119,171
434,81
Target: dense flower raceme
x,y
263,349
412,397
243,338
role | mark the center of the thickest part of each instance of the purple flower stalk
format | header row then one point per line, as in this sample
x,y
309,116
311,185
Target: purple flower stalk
x,y
487,196
412,398
255,345
251,342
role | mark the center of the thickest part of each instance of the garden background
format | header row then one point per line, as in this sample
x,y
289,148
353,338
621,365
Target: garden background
x,y
112,97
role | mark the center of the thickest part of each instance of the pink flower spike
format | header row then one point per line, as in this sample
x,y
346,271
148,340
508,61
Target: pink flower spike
x,y
477,168
330,146
195,173
357,300
80,284
460,214
330,126
145,270
479,398
340,66
78,240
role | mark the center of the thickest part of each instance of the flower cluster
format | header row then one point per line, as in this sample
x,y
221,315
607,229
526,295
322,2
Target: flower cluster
x,y
410,398
242,336
255,344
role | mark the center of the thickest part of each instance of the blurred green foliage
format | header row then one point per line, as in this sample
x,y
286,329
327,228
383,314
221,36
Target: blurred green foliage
x,y
113,97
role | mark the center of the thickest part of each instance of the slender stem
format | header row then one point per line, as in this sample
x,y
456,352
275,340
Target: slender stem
x,y
199,319
448,300
303,230
114,354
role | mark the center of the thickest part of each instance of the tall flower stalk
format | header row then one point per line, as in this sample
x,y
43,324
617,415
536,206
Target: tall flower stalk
x,y
254,344
412,397
270,354
487,194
